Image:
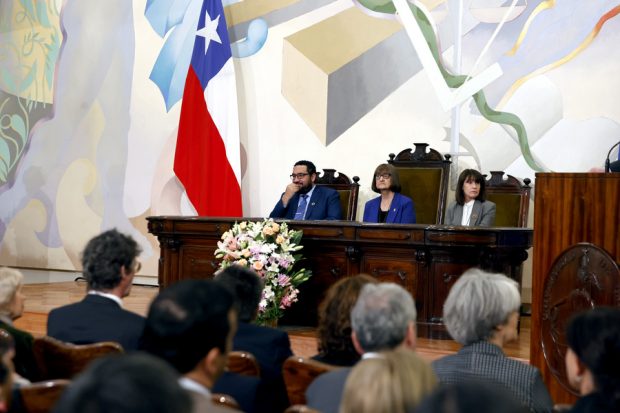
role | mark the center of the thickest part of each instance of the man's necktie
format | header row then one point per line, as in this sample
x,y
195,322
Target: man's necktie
x,y
301,208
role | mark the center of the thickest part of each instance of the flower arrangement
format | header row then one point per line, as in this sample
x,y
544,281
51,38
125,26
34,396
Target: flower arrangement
x,y
269,249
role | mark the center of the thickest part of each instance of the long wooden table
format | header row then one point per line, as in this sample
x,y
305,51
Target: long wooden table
x,y
425,259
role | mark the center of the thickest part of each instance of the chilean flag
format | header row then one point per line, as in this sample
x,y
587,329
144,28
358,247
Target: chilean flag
x,y
207,159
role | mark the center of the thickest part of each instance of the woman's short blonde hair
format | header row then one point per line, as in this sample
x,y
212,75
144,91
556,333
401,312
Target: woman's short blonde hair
x,y
393,382
10,280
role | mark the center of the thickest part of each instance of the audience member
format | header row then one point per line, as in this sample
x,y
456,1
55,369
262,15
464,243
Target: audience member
x,y
334,330
12,308
270,346
470,397
390,382
109,263
391,207
383,318
593,359
302,199
7,354
134,383
471,207
481,312
191,324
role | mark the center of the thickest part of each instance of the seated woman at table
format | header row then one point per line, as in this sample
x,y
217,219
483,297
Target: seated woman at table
x,y
593,359
470,207
391,207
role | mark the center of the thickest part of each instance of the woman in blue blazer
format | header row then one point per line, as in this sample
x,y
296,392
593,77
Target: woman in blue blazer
x,y
391,207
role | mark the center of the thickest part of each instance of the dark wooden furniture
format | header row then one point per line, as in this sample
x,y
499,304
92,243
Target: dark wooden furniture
x,y
512,199
298,373
425,260
41,397
347,190
242,362
424,178
59,360
576,248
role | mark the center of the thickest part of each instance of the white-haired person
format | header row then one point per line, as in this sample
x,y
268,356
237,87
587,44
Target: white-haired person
x,y
481,312
11,308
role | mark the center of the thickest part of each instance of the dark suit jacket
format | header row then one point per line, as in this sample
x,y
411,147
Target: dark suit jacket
x,y
401,210
324,204
483,361
271,347
482,214
95,319
24,362
325,392
246,390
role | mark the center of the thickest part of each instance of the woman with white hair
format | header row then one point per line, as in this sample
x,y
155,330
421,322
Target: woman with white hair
x,y
11,308
481,312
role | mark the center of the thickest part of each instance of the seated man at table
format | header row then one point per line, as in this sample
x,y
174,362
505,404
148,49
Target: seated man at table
x,y
109,263
302,199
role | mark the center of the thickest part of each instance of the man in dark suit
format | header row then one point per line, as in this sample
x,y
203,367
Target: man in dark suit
x,y
270,346
383,318
302,199
109,263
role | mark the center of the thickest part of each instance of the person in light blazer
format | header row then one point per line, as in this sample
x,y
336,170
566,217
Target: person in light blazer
x,y
470,208
391,207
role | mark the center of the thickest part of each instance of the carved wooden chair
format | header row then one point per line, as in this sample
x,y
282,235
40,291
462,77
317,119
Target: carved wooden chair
x,y
242,362
298,373
424,178
511,197
347,189
59,360
225,400
41,397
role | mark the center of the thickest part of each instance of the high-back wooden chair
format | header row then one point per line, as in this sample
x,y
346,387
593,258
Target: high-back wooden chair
x,y
511,197
424,178
298,373
242,362
59,360
41,397
347,189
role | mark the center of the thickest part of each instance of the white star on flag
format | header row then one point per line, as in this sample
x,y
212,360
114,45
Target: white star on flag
x,y
209,32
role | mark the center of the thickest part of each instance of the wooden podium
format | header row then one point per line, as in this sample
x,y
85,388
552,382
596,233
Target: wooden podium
x,y
576,250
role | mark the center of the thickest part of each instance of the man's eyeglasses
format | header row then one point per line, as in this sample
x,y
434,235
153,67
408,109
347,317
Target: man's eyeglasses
x,y
384,176
137,267
298,176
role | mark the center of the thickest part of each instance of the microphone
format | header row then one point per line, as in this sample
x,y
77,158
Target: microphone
x,y
607,162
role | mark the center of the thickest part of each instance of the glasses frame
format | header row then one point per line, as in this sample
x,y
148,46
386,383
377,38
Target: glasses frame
x,y
298,176
385,176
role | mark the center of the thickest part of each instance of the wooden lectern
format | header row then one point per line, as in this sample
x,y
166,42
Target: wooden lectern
x,y
576,251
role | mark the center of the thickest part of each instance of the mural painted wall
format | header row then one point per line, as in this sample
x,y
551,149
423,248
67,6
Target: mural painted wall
x,y
87,137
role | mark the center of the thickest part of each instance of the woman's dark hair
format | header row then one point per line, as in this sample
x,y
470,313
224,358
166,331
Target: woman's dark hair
x,y
594,336
334,328
386,168
467,175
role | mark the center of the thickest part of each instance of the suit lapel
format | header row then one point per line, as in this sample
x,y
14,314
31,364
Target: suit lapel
x,y
476,212
312,203
458,214
391,216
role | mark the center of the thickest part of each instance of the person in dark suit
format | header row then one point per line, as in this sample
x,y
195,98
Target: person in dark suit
x,y
191,324
481,312
391,207
110,264
383,318
302,199
593,358
270,346
471,207
12,308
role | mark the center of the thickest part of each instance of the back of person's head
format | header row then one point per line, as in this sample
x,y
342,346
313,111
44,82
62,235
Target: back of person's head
x,y
391,382
334,329
135,383
105,255
10,281
187,320
477,303
382,316
246,286
470,397
594,337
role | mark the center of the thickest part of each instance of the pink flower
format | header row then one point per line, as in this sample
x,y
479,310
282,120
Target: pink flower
x,y
257,265
283,280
